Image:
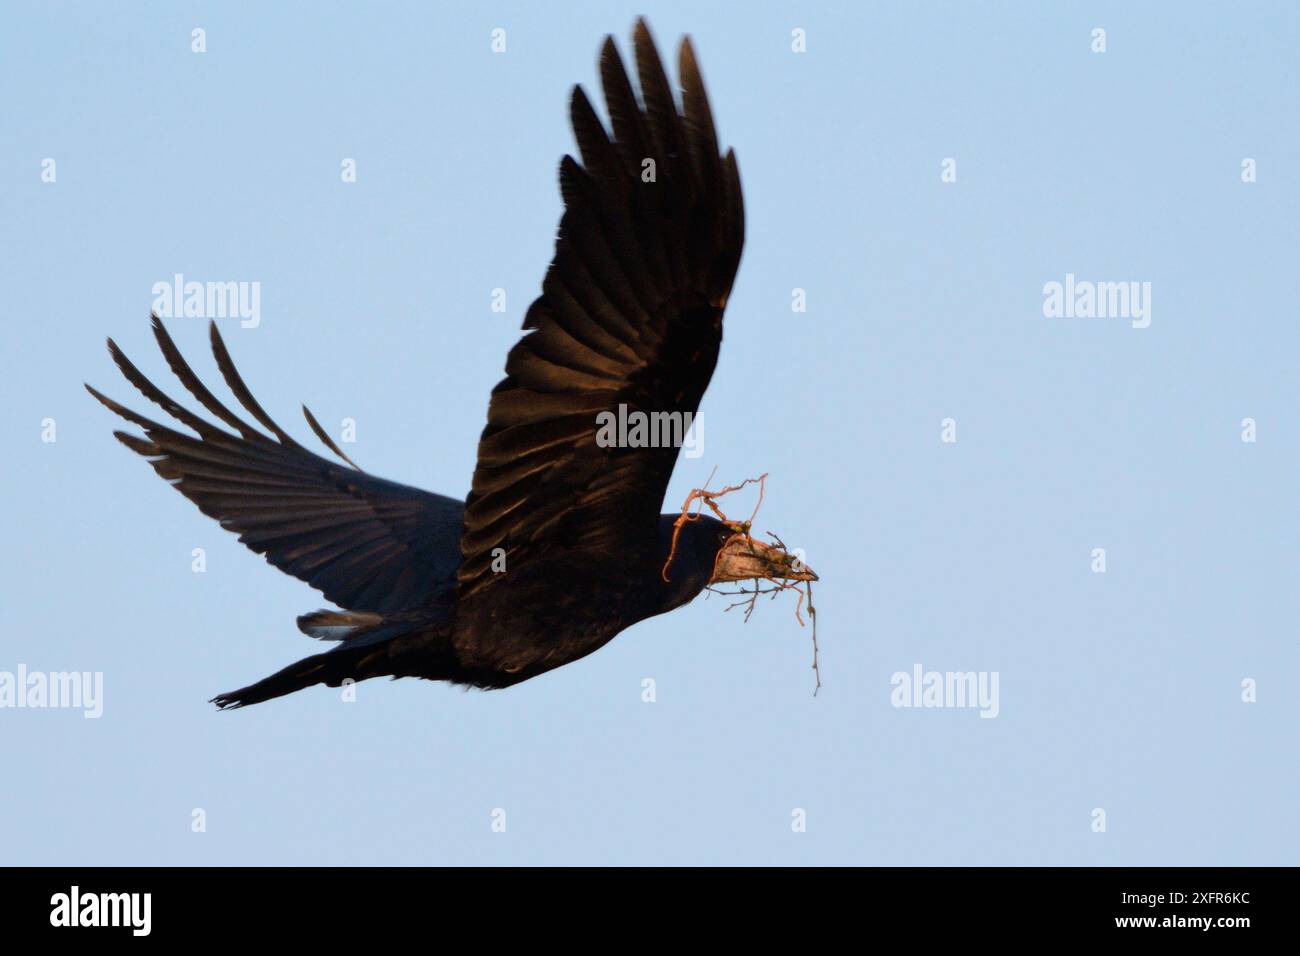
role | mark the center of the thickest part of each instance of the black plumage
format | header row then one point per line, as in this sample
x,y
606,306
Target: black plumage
x,y
559,545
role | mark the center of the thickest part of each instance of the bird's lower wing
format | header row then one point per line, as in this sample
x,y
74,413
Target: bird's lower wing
x,y
367,544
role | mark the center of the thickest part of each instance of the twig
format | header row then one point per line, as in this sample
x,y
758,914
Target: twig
x,y
749,598
710,499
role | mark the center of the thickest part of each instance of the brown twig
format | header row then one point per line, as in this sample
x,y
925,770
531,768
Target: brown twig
x,y
812,613
710,499
749,599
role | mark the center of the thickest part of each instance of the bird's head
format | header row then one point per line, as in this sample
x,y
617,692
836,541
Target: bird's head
x,y
742,557
710,551
728,548
703,551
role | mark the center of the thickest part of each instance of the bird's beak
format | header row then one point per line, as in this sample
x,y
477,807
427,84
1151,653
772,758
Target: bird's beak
x,y
742,558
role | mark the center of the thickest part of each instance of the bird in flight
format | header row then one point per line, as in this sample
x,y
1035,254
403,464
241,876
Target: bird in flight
x,y
559,545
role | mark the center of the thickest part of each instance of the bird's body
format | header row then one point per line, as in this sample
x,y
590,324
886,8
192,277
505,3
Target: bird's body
x,y
556,613
559,545
580,603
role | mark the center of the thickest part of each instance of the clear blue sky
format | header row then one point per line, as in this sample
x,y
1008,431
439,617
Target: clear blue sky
x,y
1119,691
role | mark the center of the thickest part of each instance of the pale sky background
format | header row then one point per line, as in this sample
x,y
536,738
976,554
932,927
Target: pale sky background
x,y
1119,691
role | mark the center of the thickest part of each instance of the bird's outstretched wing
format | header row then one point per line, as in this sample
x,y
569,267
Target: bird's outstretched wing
x,y
630,314
365,543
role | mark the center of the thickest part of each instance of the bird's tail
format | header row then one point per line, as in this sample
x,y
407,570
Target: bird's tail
x,y
366,650
331,668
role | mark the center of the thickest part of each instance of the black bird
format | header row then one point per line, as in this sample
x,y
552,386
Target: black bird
x,y
560,544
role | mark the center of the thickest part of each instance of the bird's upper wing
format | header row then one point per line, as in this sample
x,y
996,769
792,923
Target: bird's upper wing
x,y
367,544
630,314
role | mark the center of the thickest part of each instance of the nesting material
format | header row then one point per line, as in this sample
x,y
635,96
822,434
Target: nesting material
x,y
748,597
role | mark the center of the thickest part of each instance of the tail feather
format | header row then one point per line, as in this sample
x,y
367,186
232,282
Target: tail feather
x,y
332,668
369,646
337,625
